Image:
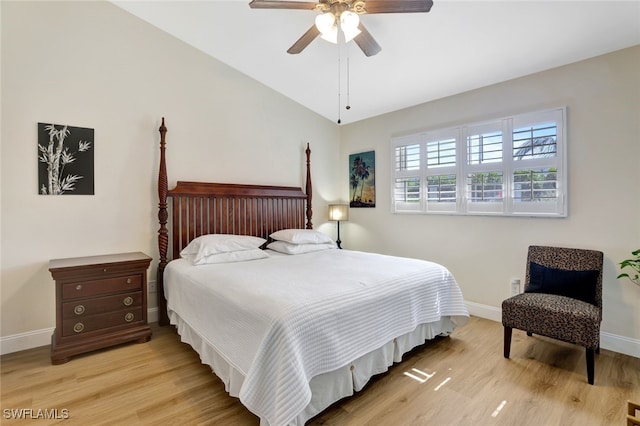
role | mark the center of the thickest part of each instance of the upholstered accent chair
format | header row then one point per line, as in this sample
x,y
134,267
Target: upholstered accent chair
x,y
562,299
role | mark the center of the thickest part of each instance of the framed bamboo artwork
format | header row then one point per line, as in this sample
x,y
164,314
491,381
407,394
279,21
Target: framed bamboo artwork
x,y
65,160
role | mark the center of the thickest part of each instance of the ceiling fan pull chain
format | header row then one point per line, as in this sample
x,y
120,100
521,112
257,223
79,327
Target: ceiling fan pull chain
x,y
339,121
348,107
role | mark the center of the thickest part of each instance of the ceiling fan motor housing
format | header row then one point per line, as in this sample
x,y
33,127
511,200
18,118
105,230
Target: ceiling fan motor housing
x,y
338,6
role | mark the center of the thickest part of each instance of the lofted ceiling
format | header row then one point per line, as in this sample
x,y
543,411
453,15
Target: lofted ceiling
x,y
456,47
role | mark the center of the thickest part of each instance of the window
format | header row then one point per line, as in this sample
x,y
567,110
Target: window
x,y
509,166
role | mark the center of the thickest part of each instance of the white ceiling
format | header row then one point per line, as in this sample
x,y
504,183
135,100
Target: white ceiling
x,y
456,47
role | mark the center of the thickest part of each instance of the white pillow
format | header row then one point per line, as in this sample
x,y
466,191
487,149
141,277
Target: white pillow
x,y
289,248
231,256
207,245
301,236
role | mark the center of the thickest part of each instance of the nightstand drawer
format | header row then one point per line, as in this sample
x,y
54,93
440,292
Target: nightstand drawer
x,y
74,327
102,286
100,305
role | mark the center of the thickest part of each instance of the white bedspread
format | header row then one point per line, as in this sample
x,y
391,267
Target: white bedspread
x,y
283,320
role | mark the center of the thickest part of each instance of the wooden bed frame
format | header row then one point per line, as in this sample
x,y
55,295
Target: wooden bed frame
x,y
200,208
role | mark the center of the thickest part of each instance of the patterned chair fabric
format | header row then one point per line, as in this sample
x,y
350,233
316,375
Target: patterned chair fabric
x,y
558,316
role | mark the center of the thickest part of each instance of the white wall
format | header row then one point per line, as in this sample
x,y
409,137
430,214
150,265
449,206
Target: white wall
x,y
91,64
602,96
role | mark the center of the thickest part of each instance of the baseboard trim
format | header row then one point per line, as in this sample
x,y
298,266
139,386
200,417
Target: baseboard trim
x,y
23,341
484,311
608,341
34,339
152,315
620,344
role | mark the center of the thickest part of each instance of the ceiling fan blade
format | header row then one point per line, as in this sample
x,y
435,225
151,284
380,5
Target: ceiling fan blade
x,y
366,42
304,41
397,6
274,4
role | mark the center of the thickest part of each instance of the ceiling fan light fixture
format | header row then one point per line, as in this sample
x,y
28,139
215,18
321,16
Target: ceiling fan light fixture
x,y
326,24
349,22
330,19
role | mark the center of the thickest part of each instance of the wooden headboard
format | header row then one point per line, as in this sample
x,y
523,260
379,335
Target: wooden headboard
x,y
200,208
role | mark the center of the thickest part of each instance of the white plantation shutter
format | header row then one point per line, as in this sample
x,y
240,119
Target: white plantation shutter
x,y
484,177
538,166
407,172
510,166
441,174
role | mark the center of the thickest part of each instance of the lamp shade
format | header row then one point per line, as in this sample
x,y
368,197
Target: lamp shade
x,y
326,24
338,212
349,22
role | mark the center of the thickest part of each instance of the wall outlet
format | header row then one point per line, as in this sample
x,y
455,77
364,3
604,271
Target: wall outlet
x,y
152,287
515,286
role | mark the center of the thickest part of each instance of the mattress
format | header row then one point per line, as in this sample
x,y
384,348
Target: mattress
x,y
289,335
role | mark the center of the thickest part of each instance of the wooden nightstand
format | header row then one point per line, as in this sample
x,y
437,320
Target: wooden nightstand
x,y
100,301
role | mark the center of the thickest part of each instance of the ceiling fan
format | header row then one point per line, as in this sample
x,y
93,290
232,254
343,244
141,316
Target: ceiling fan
x,y
345,15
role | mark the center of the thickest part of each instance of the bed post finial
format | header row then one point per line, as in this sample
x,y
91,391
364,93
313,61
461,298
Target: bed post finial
x,y
308,188
163,233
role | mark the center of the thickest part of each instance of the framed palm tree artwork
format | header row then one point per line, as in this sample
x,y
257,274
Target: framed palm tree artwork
x,y
362,179
65,160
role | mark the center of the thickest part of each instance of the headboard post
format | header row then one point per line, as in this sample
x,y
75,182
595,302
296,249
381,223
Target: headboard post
x,y
163,233
308,188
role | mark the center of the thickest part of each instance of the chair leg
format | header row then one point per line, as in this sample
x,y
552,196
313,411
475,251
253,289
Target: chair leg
x,y
590,365
507,341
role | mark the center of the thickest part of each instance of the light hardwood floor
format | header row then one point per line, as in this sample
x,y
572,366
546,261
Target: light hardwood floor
x,y
163,382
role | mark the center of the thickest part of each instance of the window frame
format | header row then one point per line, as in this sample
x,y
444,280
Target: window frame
x,y
463,168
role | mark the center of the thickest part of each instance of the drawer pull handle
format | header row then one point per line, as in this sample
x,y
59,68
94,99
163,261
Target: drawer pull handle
x,y
128,280
104,270
79,287
128,317
78,327
128,301
79,310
